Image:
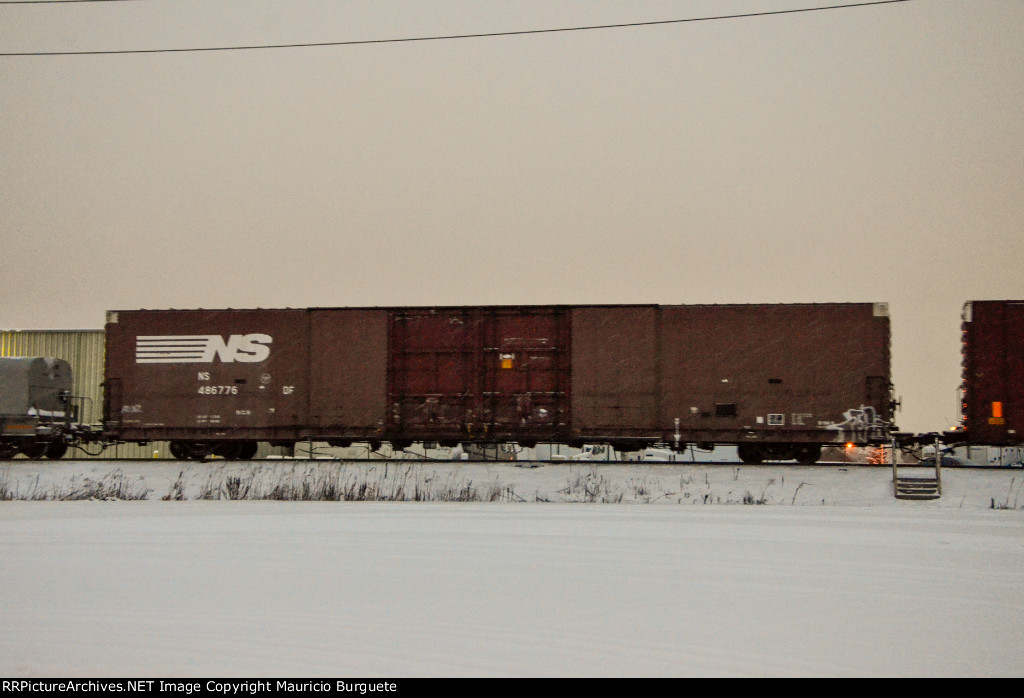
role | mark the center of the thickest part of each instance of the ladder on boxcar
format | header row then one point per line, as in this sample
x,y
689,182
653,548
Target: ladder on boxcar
x,y
917,486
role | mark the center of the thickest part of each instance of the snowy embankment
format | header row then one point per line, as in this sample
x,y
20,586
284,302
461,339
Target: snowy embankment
x,y
832,485
865,585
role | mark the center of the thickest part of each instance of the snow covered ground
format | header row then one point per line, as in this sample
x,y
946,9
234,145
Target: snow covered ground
x,y
831,577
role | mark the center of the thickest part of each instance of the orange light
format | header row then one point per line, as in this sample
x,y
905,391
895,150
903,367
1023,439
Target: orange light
x,y
849,446
997,409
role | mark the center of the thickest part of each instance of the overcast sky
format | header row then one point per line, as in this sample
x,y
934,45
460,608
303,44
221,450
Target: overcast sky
x,y
863,154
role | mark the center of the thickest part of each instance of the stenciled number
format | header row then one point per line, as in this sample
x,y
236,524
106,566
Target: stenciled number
x,y
218,390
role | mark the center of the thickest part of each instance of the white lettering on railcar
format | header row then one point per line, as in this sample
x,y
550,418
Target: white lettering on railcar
x,y
218,390
201,349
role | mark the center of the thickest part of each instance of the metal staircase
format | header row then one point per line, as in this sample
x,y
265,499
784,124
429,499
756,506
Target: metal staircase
x,y
918,486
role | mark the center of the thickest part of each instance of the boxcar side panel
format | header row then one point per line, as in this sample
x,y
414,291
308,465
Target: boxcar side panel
x,y
615,370
787,373
433,374
525,355
477,373
197,374
348,371
993,380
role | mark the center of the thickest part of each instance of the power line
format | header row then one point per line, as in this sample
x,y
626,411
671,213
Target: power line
x,y
448,37
54,2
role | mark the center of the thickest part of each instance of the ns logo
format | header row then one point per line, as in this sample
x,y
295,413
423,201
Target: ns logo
x,y
202,349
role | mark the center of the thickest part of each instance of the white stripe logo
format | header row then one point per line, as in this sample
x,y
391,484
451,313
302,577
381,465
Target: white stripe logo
x,y
201,349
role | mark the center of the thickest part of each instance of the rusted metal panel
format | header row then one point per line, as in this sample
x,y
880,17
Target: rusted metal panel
x,y
207,373
433,382
478,373
615,370
348,371
526,371
993,372
814,372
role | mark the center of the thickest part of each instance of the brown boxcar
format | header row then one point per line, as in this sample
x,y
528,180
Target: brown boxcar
x,y
992,405
777,380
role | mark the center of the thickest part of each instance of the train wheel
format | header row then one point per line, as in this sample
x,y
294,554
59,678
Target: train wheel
x,y
7,450
750,454
198,450
808,454
56,450
34,449
228,450
247,450
180,450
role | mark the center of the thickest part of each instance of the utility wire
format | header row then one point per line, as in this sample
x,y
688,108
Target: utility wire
x,y
449,37
54,2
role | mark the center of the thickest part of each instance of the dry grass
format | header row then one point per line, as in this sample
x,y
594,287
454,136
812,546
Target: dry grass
x,y
111,487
